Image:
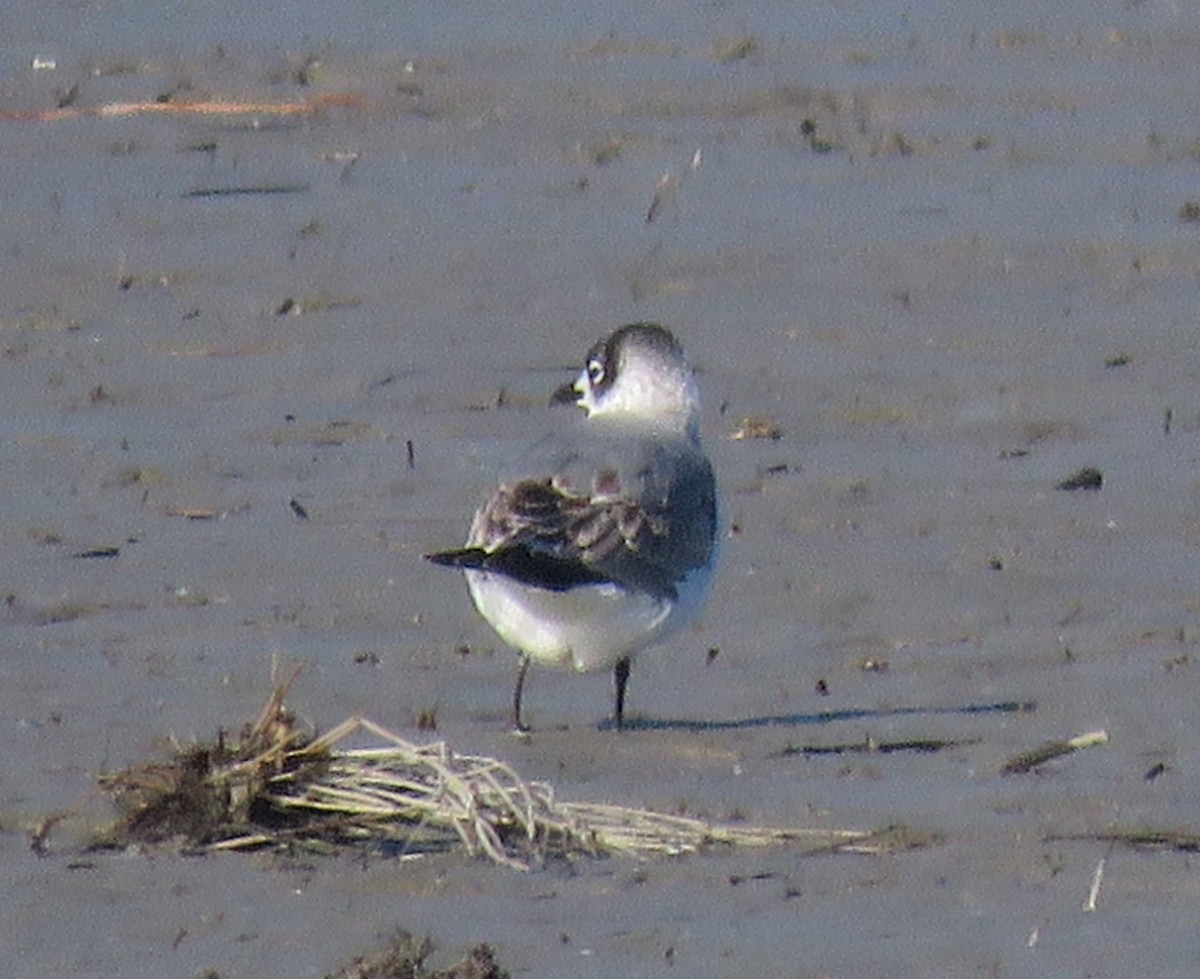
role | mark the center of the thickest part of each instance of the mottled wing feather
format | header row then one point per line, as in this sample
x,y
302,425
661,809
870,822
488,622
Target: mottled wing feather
x,y
548,533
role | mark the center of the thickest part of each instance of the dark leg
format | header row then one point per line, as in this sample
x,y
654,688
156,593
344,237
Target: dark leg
x,y
516,713
620,677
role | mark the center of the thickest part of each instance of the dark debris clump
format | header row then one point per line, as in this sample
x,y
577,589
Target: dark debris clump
x,y
210,791
404,958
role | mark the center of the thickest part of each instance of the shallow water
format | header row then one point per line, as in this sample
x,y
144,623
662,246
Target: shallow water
x,y
973,280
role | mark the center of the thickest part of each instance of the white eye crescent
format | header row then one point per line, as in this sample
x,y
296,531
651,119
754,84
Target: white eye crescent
x,y
595,371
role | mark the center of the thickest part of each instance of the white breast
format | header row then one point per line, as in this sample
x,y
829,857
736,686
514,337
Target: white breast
x,y
590,627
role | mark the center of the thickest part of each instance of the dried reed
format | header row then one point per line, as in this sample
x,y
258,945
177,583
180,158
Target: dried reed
x,y
279,785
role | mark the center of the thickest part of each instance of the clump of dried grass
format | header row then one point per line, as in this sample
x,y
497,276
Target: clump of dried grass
x,y
279,785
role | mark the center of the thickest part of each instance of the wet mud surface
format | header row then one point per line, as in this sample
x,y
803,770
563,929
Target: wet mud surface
x,y
938,272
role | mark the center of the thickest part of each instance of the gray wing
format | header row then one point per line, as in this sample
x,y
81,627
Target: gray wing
x,y
637,511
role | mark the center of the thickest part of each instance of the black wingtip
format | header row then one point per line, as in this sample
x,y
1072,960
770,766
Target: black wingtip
x,y
463,557
522,564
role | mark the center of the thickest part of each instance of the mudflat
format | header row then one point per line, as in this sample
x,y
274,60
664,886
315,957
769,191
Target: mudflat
x,y
282,290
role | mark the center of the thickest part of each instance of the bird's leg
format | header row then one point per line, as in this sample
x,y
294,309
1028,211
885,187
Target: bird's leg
x,y
518,725
620,678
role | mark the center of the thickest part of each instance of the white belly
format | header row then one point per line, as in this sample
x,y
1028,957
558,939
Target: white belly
x,y
588,628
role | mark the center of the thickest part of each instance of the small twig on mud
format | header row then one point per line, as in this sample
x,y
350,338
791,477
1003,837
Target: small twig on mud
x,y
1026,761
113,110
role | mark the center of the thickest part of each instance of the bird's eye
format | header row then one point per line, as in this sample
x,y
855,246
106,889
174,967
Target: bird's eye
x,y
595,371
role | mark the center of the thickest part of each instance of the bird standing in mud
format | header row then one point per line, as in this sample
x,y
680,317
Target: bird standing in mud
x,y
602,542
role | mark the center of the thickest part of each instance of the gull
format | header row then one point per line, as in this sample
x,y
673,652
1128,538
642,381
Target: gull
x,y
602,541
